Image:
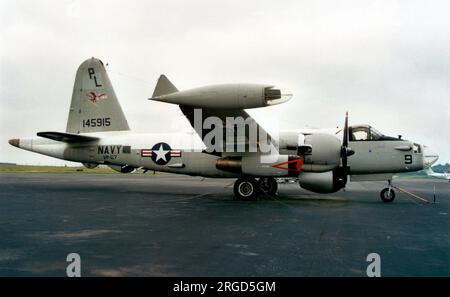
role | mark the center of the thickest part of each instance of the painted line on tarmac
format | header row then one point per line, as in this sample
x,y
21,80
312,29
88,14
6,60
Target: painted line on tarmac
x,y
411,194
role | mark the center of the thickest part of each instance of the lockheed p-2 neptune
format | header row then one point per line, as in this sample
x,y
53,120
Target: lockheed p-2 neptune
x,y
229,143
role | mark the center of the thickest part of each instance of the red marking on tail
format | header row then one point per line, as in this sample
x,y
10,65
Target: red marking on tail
x,y
93,97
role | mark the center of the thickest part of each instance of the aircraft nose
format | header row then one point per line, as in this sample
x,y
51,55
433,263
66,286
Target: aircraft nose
x,y
429,157
14,142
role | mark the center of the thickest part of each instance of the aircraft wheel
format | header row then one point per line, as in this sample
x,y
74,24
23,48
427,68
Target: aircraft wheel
x,y
387,196
246,189
268,185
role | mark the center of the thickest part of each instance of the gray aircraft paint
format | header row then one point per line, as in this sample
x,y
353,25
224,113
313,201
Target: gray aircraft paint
x,y
110,140
383,157
94,105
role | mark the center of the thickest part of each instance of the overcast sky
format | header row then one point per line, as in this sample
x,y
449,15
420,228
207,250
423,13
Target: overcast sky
x,y
387,62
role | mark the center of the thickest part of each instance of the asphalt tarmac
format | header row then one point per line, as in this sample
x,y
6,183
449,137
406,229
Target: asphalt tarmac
x,y
166,225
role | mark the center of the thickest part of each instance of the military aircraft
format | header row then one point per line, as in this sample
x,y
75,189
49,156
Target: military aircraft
x,y
431,173
228,142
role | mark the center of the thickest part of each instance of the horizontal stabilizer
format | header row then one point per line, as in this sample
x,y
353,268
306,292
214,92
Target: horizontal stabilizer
x,y
66,137
164,87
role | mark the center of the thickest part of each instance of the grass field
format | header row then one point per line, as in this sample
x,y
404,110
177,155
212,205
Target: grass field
x,y
54,169
9,168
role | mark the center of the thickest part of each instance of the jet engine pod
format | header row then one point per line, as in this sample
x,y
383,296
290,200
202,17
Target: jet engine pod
x,y
228,96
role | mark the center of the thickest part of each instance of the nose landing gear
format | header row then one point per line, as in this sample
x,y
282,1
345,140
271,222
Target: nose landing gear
x,y
388,194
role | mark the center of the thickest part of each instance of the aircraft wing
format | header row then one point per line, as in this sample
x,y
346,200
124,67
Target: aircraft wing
x,y
237,140
67,137
250,141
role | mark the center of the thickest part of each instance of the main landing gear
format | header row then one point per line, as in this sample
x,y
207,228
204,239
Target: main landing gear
x,y
388,194
248,188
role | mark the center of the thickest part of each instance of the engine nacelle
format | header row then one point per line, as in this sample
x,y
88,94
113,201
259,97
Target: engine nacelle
x,y
322,152
323,182
228,96
325,154
122,169
262,165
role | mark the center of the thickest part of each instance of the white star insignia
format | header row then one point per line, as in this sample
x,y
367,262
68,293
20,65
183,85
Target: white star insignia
x,y
161,153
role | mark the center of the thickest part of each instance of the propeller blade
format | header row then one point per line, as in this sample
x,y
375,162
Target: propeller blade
x,y
343,171
345,139
344,152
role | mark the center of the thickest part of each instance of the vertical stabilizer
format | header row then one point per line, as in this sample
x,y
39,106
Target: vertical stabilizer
x,y
94,106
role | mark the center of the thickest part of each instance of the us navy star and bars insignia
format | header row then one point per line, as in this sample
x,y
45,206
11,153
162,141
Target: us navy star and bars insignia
x,y
175,153
146,153
160,153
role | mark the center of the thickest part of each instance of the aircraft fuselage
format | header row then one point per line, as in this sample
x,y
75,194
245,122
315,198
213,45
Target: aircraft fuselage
x,y
184,154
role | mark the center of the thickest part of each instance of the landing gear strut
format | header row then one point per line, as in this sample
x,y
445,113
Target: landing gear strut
x,y
387,194
246,189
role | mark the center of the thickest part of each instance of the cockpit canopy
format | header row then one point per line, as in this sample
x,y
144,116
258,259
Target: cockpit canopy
x,y
366,132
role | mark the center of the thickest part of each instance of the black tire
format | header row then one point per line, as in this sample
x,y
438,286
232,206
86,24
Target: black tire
x,y
246,189
268,185
384,194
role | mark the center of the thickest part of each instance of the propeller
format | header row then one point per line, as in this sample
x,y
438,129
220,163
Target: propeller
x,y
345,151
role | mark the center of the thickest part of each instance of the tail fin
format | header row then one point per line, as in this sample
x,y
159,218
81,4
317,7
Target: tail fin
x,y
94,105
164,87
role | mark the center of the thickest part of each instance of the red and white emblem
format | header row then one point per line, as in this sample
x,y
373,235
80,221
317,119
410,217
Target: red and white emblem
x,y
175,153
94,97
146,153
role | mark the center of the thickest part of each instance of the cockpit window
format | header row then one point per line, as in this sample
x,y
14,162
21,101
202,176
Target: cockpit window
x,y
374,134
359,133
364,133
